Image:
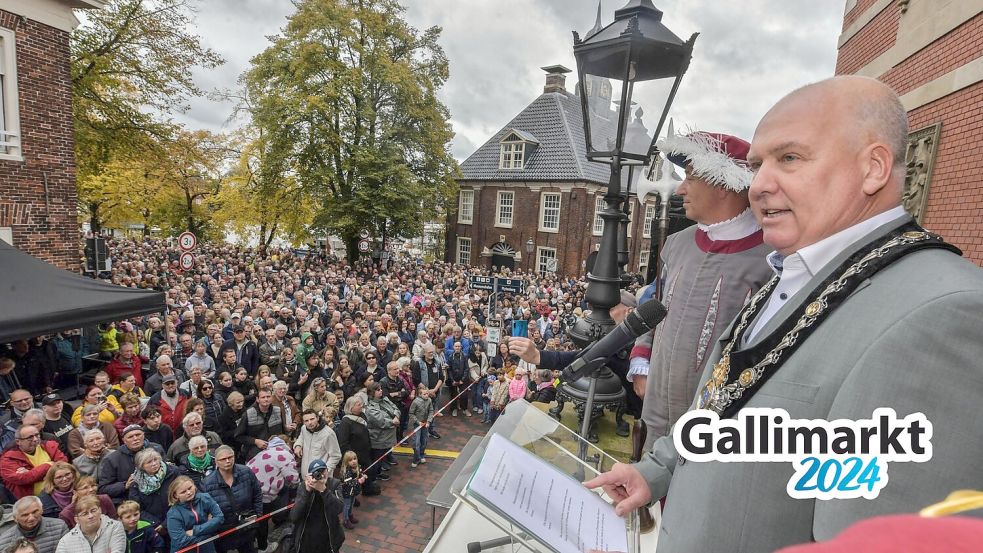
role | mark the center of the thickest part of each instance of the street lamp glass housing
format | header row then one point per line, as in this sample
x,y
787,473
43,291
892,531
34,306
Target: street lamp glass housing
x,y
630,68
529,246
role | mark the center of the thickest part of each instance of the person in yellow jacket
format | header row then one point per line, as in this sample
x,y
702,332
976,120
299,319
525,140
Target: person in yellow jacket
x,y
95,396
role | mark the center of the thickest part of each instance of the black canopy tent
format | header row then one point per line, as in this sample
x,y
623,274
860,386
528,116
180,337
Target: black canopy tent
x,y
37,298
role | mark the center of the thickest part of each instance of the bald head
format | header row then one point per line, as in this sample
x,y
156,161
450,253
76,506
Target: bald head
x,y
875,112
827,157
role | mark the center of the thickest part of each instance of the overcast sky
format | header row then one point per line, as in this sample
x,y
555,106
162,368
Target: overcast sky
x,y
749,54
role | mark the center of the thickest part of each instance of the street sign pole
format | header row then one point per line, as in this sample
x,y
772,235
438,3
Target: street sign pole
x,y
95,255
493,298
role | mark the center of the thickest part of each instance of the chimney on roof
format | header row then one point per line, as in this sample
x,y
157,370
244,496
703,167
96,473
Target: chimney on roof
x,y
556,78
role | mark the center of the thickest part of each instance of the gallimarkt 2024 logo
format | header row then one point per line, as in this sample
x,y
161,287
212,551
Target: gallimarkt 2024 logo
x,y
839,459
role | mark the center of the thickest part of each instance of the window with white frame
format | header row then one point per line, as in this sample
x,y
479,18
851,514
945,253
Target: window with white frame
x,y
10,145
647,221
643,261
512,155
505,209
546,260
465,207
598,208
464,251
549,212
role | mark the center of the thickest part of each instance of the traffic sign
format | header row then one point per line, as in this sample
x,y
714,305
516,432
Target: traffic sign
x,y
187,261
494,330
513,285
363,246
481,283
187,241
363,234
551,265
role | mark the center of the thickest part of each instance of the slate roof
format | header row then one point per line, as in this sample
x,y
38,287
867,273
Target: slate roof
x,y
556,121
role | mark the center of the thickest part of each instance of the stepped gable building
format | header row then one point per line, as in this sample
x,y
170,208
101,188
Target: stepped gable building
x,y
531,181
38,199
931,53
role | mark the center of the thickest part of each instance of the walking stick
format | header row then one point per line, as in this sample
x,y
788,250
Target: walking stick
x,y
646,523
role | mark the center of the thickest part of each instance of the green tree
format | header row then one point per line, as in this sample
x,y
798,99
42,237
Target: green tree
x,y
131,68
349,92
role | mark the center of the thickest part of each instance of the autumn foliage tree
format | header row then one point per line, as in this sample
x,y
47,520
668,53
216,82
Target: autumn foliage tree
x,y
131,68
347,96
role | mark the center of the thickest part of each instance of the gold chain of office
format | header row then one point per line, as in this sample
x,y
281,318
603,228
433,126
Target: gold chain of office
x,y
717,394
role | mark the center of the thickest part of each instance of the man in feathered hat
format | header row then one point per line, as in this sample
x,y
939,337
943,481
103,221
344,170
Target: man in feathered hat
x,y
709,271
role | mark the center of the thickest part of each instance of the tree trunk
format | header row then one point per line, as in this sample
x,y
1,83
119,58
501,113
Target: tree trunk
x,y
95,225
191,214
351,247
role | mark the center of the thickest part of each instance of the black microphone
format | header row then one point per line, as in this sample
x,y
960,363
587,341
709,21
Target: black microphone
x,y
638,322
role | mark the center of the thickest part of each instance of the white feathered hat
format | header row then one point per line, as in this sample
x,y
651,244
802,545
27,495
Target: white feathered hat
x,y
720,159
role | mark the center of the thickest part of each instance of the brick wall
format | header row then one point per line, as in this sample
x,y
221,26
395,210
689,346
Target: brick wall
x,y
955,201
44,221
871,41
858,10
955,49
573,243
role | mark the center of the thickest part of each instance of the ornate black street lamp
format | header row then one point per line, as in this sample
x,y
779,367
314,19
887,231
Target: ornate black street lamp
x,y
633,61
530,246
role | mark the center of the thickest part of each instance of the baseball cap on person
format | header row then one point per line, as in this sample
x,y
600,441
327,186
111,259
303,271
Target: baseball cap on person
x,y
50,399
317,467
236,316
169,378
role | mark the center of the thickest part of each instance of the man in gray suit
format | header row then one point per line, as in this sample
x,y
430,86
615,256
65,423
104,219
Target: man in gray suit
x,y
829,172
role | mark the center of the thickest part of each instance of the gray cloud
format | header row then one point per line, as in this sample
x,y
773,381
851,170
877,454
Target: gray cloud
x,y
748,55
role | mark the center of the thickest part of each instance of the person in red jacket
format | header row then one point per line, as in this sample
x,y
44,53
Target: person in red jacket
x,y
170,402
23,465
126,360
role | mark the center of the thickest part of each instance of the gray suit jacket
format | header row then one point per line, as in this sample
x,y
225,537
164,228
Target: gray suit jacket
x,y
910,338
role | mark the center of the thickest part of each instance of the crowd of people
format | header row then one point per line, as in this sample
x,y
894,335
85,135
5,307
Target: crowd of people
x,y
271,376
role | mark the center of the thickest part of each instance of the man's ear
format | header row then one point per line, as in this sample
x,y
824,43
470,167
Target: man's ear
x,y
876,163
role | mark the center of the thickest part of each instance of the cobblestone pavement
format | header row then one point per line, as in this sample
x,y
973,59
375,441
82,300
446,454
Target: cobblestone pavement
x,y
398,520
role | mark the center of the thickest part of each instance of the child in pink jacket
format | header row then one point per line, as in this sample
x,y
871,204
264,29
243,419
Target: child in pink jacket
x,y
517,386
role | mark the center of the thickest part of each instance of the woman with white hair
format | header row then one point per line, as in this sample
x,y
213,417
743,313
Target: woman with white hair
x,y
199,462
151,477
422,339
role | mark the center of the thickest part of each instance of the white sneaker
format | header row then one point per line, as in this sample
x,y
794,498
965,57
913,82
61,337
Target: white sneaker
x,y
271,547
467,413
454,413
480,411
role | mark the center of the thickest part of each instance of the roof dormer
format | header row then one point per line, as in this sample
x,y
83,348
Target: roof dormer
x,y
515,148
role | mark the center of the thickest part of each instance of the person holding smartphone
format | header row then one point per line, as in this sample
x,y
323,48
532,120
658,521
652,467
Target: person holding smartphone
x,y
316,512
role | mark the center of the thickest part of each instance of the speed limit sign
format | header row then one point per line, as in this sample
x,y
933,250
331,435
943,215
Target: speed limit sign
x,y
187,241
363,246
187,261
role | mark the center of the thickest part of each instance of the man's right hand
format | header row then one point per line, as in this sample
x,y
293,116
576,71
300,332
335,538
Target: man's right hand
x,y
625,485
525,348
638,384
129,482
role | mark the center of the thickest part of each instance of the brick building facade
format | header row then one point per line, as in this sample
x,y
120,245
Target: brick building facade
x,y
38,199
531,181
931,53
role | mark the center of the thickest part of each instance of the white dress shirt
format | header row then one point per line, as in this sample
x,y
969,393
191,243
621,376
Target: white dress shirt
x,y
796,270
